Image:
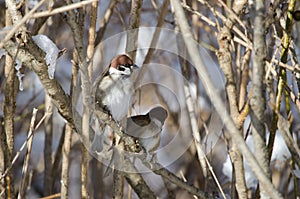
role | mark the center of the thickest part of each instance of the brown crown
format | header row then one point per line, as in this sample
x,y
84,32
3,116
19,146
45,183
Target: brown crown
x,y
123,60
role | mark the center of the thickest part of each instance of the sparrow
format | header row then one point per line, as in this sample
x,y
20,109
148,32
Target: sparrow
x,y
147,128
113,90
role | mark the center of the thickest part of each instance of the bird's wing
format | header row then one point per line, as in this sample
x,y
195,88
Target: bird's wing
x,y
136,124
140,120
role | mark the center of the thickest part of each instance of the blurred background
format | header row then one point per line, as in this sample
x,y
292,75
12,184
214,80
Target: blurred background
x,y
168,79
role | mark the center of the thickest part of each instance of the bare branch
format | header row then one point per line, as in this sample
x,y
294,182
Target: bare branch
x,y
160,170
62,9
137,182
24,181
258,99
9,107
48,146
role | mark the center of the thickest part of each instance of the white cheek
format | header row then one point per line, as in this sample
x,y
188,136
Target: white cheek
x,y
114,71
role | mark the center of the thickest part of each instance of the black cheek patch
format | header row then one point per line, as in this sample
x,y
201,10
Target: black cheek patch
x,y
122,68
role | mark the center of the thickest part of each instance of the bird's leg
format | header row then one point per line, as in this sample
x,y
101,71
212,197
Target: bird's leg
x,y
153,158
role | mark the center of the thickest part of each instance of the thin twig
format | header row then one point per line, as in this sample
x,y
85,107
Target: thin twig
x,y
24,179
57,195
246,43
62,9
233,14
196,135
160,170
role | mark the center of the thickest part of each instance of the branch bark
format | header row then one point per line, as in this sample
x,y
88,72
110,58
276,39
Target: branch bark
x,y
48,147
258,99
9,106
225,60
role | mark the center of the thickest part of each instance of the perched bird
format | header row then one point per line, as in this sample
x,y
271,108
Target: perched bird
x,y
113,90
147,128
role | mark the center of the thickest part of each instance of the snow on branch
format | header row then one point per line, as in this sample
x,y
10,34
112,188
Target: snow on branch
x,y
51,50
18,66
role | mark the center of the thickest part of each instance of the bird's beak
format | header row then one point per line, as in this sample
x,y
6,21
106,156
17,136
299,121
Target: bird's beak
x,y
135,66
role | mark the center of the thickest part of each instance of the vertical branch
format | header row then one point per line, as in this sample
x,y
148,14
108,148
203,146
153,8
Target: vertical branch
x,y
91,38
9,106
3,149
76,22
132,36
84,154
118,175
68,138
24,180
97,179
282,75
66,163
86,67
48,146
258,99
244,79
225,60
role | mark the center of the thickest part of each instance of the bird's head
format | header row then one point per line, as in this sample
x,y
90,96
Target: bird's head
x,y
122,65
